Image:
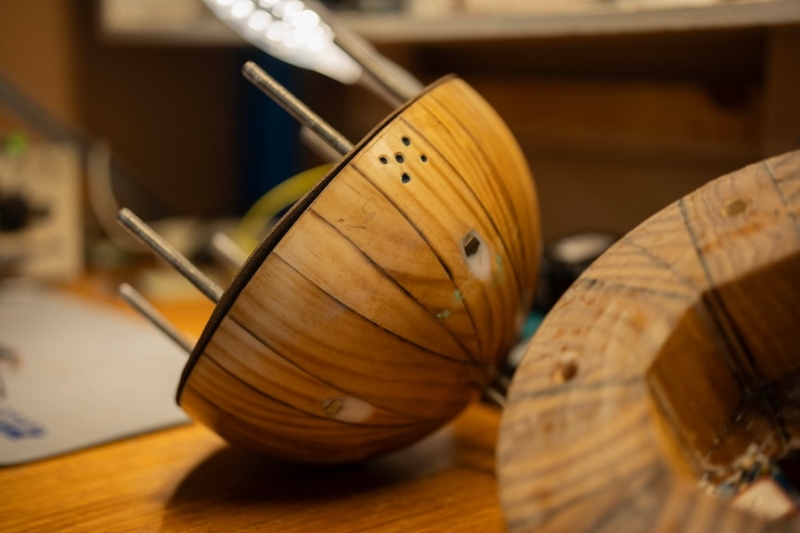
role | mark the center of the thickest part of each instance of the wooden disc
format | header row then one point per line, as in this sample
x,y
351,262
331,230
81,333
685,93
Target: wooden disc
x,y
671,359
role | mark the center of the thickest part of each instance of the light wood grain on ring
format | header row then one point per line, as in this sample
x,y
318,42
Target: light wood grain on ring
x,y
670,355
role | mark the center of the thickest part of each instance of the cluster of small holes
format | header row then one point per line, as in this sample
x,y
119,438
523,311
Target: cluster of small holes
x,y
400,159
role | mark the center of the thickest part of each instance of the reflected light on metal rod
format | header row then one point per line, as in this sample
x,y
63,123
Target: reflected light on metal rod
x,y
269,86
146,309
166,251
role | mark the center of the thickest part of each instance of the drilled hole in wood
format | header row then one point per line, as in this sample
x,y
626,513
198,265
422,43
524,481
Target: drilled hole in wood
x,y
735,207
405,178
347,409
565,372
423,158
332,406
477,255
383,160
471,245
406,141
399,158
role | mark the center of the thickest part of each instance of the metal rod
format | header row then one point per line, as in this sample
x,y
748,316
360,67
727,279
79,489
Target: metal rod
x,y
146,309
392,78
227,251
161,247
375,66
495,396
314,143
296,108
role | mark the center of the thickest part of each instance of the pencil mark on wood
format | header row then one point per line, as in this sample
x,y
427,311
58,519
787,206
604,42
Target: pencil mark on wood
x,y
718,313
786,201
617,286
570,388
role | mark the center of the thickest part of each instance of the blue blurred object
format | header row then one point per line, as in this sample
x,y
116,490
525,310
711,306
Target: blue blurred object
x,y
271,151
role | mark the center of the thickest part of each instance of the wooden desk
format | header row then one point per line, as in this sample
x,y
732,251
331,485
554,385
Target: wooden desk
x,y
188,479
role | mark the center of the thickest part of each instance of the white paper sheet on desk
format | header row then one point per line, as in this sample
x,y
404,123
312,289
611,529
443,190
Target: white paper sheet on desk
x,y
76,374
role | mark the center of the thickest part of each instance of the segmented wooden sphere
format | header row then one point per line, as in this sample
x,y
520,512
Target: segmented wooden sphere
x,y
383,301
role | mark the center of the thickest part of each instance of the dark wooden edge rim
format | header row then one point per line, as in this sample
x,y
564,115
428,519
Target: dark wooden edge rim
x,y
274,237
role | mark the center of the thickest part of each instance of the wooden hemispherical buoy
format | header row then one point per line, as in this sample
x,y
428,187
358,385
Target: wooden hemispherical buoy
x,y
384,300
668,373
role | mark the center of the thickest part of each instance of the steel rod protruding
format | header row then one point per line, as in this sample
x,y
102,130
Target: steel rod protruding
x,y
147,235
376,67
393,79
296,108
495,396
146,309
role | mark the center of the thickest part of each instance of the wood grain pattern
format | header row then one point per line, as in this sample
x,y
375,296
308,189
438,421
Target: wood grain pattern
x,y
671,355
387,303
187,479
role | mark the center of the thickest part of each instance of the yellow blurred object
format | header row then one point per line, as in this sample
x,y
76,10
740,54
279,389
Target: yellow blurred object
x,y
260,216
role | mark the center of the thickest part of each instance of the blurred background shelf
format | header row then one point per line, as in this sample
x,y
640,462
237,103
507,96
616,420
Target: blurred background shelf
x,y
618,113
423,21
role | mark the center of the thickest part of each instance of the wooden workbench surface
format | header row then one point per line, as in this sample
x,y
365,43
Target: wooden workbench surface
x,y
188,479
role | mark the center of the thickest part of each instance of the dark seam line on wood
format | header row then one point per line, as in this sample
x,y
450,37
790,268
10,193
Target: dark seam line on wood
x,y
266,343
502,294
782,195
789,158
475,196
430,247
671,268
298,440
382,328
516,225
533,220
502,188
737,352
389,277
616,285
295,408
331,385
465,202
724,324
714,328
300,369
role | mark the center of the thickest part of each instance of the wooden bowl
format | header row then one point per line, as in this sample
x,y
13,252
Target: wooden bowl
x,y
670,366
384,300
